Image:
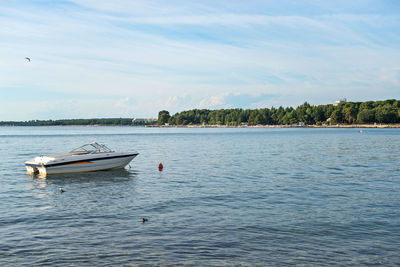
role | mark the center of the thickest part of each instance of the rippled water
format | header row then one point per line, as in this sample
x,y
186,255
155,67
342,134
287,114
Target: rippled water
x,y
225,197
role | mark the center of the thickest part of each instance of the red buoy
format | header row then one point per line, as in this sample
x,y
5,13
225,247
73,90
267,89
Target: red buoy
x,y
160,167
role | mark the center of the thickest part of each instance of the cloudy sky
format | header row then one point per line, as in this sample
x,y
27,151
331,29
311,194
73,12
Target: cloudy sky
x,y
127,58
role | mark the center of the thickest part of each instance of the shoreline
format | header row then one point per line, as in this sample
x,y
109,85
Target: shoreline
x,y
397,125
281,126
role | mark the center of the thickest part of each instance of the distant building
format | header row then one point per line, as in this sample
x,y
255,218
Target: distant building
x,y
147,121
343,100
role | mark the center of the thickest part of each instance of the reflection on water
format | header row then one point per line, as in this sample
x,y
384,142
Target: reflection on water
x,y
78,188
99,177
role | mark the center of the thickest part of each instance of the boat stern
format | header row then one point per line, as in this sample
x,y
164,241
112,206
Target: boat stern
x,y
37,165
31,169
34,168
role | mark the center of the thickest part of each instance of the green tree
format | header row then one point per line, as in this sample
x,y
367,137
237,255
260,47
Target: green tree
x,y
163,117
337,116
366,116
289,117
350,113
254,118
304,113
318,114
367,105
171,120
386,113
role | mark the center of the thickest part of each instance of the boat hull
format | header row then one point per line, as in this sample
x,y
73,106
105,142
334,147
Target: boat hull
x,y
83,165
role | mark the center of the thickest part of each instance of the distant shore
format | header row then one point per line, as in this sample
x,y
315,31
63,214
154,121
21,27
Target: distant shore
x,y
282,126
397,125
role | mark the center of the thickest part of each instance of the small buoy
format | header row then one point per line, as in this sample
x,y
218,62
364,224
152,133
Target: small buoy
x,y
144,220
62,190
160,167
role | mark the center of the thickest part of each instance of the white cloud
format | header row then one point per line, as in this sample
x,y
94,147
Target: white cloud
x,y
212,101
176,102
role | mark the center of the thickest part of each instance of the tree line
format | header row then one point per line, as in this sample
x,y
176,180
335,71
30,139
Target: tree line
x,y
66,122
368,112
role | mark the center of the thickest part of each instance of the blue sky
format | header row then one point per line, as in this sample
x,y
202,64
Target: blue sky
x,y
127,58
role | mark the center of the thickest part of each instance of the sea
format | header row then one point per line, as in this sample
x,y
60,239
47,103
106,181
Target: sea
x,y
226,197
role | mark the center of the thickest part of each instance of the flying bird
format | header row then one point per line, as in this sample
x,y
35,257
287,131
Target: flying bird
x,y
27,58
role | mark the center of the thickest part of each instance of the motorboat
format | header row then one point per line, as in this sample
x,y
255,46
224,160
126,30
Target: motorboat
x,y
88,157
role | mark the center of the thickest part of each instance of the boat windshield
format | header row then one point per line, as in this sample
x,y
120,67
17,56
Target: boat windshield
x,y
91,148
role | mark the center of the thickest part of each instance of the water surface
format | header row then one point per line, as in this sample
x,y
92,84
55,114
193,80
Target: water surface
x,y
234,196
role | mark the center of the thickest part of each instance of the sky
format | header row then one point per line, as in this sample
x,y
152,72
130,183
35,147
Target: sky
x,y
128,58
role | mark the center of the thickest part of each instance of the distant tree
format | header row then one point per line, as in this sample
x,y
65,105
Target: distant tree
x,y
386,113
350,113
305,113
163,117
318,114
337,116
254,118
171,120
266,116
367,105
279,113
289,117
366,116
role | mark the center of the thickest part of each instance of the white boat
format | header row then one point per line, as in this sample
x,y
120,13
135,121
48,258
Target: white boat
x,y
89,157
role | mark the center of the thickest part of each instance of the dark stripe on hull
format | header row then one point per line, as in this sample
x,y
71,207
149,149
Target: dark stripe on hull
x,y
80,161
